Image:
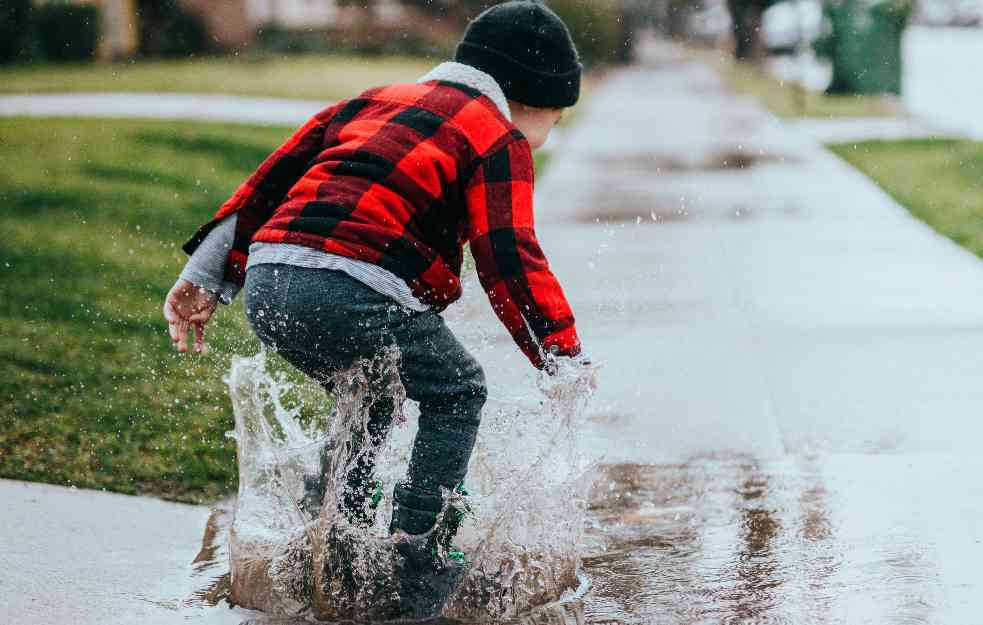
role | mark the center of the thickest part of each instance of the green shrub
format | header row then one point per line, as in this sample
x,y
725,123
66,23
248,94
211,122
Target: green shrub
x,y
68,32
15,30
273,39
405,43
185,34
598,28
167,30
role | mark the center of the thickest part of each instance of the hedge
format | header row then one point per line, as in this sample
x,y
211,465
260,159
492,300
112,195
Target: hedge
x,y
68,32
15,30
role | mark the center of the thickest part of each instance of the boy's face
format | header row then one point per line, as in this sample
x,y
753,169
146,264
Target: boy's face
x,y
533,122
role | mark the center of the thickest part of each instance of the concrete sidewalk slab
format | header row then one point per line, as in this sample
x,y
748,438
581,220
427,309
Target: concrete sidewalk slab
x,y
91,558
942,80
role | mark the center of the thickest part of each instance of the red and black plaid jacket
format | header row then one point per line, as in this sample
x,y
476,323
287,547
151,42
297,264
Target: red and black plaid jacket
x,y
402,177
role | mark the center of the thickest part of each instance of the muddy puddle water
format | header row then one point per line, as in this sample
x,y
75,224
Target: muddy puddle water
x,y
735,540
718,538
723,539
528,490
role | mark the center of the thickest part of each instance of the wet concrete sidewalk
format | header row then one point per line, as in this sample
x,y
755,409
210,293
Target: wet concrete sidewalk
x,y
942,81
790,400
82,557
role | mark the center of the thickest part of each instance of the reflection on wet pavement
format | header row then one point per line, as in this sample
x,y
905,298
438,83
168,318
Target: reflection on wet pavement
x,y
210,568
728,159
653,188
734,539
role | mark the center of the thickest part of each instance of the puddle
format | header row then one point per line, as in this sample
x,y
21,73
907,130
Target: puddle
x,y
651,163
609,419
645,199
731,160
695,543
716,539
731,539
719,161
523,550
210,567
734,540
639,207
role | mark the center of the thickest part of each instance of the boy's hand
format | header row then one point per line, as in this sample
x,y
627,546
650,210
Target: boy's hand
x,y
579,365
577,359
564,375
188,306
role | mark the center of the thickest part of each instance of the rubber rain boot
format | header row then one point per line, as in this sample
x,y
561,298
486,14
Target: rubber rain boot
x,y
427,576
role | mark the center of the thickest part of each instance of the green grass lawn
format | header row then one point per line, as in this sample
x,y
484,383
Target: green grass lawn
x,y
94,215
318,77
791,100
939,180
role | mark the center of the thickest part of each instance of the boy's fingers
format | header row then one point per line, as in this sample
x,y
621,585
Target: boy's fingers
x,y
200,317
182,336
199,337
169,310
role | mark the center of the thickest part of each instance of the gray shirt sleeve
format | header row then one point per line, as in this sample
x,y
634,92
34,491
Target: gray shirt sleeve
x,y
206,267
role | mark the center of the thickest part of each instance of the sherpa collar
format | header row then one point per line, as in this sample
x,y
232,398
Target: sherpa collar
x,y
471,77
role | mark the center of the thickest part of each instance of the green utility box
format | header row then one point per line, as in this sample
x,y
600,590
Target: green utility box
x,y
863,42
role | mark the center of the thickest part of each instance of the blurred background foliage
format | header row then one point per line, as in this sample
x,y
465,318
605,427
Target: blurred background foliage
x,y
859,39
125,29
66,32
168,30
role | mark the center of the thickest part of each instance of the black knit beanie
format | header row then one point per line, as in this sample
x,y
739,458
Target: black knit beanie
x,y
527,49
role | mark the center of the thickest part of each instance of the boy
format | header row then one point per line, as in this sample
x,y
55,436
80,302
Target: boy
x,y
349,238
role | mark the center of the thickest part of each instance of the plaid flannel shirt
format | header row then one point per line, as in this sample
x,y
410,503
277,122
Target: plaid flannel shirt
x,y
403,176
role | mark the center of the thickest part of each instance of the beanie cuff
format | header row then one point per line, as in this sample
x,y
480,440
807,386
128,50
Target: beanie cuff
x,y
520,82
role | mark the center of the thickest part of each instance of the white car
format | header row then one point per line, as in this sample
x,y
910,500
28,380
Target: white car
x,y
710,23
791,23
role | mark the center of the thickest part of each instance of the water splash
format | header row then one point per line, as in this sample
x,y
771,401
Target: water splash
x,y
527,480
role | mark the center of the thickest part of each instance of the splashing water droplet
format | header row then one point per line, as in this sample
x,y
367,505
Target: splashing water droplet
x,y
527,493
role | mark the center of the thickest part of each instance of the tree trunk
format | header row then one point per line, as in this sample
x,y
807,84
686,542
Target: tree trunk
x,y
676,19
746,18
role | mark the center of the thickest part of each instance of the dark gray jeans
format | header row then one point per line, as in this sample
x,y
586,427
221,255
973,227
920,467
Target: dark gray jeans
x,y
323,321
